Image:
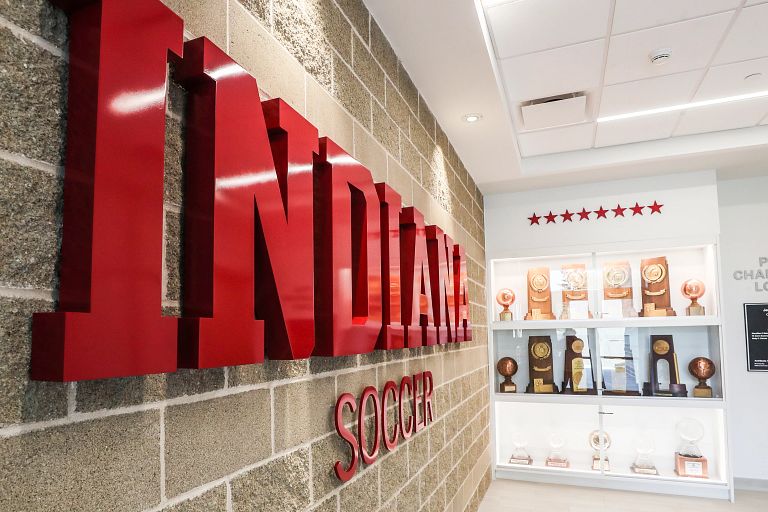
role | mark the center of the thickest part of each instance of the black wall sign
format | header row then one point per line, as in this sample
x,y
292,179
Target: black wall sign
x,y
756,320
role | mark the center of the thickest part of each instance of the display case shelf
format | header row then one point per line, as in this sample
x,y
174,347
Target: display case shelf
x,y
608,400
597,323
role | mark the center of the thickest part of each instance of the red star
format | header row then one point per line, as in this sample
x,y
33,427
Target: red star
x,y
534,219
567,216
655,208
637,209
584,214
601,213
618,211
551,217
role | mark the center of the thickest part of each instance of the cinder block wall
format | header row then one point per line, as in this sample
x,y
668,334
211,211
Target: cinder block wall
x,y
241,438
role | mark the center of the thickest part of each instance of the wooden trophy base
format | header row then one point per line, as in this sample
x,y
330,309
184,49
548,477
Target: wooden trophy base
x,y
544,389
505,316
557,463
675,390
521,461
693,467
702,391
507,387
695,310
650,310
536,314
642,470
621,393
598,464
567,390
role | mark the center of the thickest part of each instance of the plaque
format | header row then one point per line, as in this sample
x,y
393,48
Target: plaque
x,y
655,285
703,369
519,453
540,365
617,286
505,298
689,461
507,367
600,441
663,349
575,290
578,377
556,458
643,464
539,295
692,290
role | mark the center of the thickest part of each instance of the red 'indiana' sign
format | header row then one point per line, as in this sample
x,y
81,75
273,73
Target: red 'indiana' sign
x,y
290,249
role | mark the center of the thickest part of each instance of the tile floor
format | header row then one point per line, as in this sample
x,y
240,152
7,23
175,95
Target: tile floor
x,y
513,496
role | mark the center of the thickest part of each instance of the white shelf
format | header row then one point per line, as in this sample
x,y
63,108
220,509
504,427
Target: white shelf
x,y
595,323
612,400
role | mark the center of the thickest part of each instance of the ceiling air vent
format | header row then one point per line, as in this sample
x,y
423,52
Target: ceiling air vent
x,y
554,111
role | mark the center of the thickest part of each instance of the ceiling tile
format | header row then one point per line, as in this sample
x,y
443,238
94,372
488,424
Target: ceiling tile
x,y
556,140
637,129
528,26
729,79
747,38
728,116
563,70
656,92
691,42
632,15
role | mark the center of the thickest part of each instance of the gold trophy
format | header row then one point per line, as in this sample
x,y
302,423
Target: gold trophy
x,y
692,290
505,298
617,285
703,369
540,365
655,287
598,440
507,367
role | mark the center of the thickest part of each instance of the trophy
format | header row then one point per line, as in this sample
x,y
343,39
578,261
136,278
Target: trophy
x,y
507,367
643,464
617,286
519,453
689,461
557,458
575,289
655,285
692,290
578,376
505,298
540,365
703,369
539,295
619,376
662,348
599,440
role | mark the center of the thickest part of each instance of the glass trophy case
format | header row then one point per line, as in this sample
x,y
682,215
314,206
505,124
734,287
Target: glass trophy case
x,y
610,370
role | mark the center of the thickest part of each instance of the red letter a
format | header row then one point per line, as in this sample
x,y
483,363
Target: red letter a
x,y
110,323
240,266
348,232
416,289
440,248
461,291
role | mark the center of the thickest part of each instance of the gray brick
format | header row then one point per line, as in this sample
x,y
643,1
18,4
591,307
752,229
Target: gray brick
x,y
351,93
394,471
268,371
214,500
357,12
303,411
30,227
329,364
210,439
107,464
173,254
385,130
426,118
32,123
383,51
20,398
325,453
364,490
281,485
174,161
302,37
333,25
368,69
407,88
329,505
259,8
38,17
93,395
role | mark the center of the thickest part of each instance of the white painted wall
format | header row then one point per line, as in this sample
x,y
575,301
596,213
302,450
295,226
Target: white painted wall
x,y
743,238
697,207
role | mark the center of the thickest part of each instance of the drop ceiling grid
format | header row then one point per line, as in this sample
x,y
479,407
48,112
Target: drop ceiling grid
x,y
539,67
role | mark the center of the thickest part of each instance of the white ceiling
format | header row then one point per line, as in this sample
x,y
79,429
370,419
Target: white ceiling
x,y
490,56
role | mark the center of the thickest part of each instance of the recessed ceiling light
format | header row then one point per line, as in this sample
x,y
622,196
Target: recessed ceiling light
x,y
660,56
753,76
684,106
472,118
